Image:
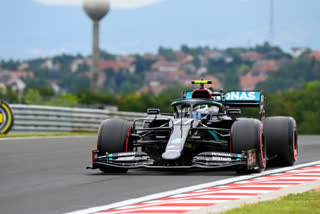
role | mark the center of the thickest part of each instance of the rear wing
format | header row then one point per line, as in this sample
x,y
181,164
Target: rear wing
x,y
238,99
242,98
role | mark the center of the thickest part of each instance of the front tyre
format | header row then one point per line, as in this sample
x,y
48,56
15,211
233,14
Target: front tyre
x,y
246,135
282,139
112,138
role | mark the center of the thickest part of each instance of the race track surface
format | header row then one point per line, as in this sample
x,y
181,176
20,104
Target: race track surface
x,y
48,175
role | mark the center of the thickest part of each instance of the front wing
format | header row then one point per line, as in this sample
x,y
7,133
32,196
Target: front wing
x,y
204,160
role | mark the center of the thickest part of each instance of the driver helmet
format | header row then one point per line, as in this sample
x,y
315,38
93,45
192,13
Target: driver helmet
x,y
200,111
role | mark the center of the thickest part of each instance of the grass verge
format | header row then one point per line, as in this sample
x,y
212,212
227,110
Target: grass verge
x,y
306,203
49,134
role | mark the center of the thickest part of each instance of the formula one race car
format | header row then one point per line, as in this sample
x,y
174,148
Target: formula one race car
x,y
205,130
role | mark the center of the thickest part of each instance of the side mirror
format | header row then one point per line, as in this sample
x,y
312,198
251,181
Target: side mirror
x,y
234,112
153,111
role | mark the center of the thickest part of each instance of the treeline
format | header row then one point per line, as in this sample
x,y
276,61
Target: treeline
x,y
292,75
302,104
225,64
87,98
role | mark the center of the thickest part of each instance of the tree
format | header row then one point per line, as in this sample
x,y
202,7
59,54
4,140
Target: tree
x,y
89,97
32,97
10,64
271,52
168,53
106,55
143,64
292,75
10,95
196,51
64,100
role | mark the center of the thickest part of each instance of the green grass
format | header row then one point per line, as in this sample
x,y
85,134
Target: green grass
x,y
49,134
306,203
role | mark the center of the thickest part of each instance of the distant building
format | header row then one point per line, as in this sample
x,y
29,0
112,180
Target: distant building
x,y
154,57
75,64
251,56
202,70
23,66
22,74
14,81
165,66
262,67
164,76
54,85
183,57
50,64
116,65
216,55
297,52
249,82
17,84
315,55
154,87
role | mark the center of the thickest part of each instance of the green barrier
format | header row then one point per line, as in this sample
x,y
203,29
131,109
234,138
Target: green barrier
x,y
6,117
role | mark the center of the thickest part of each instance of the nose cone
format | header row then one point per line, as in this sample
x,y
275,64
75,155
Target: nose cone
x,y
96,9
171,155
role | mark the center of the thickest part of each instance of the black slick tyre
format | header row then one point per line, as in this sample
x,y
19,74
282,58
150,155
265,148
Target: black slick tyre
x,y
112,138
282,140
246,135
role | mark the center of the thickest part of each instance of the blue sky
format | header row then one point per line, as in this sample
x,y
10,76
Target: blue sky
x,y
39,28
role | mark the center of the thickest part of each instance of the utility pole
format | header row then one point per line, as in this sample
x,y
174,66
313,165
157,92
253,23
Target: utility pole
x,y
96,10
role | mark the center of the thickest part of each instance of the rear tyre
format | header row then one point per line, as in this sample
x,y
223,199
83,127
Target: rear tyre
x,y
246,135
282,139
112,138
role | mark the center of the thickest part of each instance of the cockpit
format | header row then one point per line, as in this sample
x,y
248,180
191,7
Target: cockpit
x,y
197,109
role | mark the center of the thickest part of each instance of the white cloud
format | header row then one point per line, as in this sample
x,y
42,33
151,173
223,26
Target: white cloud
x,y
114,3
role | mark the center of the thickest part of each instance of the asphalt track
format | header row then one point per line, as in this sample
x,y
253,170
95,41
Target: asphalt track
x,y
48,175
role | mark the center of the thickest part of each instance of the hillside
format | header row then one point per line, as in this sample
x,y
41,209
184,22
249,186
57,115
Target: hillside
x,y
263,66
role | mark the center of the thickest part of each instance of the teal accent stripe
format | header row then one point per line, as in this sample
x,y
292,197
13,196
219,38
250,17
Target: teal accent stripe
x,y
214,135
110,158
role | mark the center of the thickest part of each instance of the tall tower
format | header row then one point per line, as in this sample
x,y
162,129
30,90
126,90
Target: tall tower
x,y
271,33
96,10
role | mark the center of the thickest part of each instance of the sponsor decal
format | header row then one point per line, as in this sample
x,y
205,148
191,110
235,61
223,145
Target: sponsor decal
x,y
6,117
126,158
220,159
242,96
126,154
174,147
221,154
176,141
161,137
252,158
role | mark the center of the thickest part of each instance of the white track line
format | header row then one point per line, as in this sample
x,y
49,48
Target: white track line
x,y
190,189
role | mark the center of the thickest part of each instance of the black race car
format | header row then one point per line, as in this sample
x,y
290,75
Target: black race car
x,y
205,130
